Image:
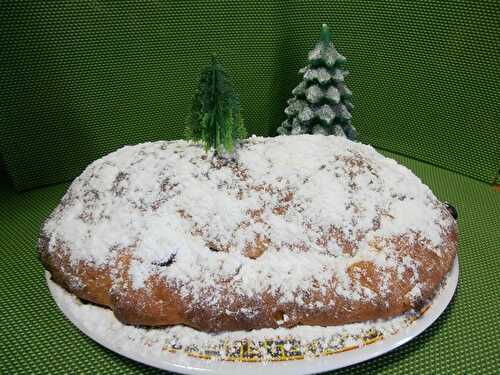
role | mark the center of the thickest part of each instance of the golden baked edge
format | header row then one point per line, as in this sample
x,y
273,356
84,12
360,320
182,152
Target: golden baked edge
x,y
159,304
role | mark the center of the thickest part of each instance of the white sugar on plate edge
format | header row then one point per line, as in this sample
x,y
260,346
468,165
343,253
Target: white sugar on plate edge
x,y
295,343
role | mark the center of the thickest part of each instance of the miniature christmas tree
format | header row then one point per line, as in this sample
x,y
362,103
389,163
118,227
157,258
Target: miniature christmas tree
x,y
321,102
215,118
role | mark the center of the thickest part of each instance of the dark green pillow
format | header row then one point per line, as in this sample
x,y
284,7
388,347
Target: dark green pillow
x,y
80,79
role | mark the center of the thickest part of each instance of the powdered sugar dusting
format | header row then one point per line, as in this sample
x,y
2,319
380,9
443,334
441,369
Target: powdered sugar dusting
x,y
314,204
263,345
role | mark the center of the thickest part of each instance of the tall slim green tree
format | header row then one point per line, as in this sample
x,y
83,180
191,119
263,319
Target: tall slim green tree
x,y
321,103
215,118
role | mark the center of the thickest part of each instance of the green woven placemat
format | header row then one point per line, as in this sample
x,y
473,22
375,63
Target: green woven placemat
x,y
35,337
81,78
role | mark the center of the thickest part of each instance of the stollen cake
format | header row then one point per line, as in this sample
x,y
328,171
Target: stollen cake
x,y
299,230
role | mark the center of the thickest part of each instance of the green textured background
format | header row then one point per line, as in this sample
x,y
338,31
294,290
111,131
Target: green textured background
x,y
80,78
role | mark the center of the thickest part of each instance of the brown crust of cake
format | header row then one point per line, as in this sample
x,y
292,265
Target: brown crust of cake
x,y
160,304
141,289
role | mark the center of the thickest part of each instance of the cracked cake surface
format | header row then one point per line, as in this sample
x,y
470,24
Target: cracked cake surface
x,y
307,229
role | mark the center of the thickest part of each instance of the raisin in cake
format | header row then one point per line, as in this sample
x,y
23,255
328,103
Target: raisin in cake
x,y
308,229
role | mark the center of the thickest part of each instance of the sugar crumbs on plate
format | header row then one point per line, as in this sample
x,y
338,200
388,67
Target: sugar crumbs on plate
x,y
263,345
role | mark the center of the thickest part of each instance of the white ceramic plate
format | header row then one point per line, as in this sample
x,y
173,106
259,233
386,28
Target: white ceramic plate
x,y
181,363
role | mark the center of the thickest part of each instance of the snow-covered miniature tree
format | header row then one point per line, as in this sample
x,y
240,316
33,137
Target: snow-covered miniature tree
x,y
321,103
215,118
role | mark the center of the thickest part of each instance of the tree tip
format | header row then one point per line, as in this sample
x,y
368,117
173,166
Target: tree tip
x,y
325,34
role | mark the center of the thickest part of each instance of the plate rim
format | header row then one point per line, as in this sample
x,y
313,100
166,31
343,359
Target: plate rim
x,y
181,363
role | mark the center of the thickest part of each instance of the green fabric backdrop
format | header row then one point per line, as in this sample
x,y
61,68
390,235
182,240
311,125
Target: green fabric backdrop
x,y
81,78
